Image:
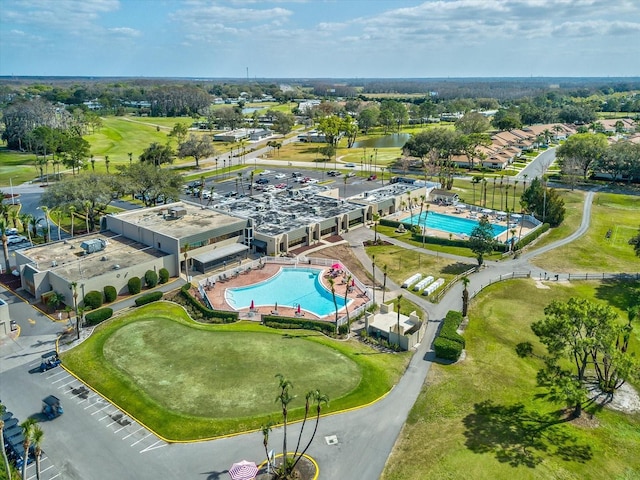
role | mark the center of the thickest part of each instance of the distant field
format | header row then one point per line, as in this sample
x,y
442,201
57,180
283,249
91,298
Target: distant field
x,y
16,167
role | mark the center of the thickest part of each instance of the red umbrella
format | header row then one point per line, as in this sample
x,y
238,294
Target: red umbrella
x,y
353,283
336,266
298,308
243,470
251,307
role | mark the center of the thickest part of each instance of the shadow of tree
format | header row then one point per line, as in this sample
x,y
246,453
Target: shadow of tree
x,y
456,268
619,293
520,436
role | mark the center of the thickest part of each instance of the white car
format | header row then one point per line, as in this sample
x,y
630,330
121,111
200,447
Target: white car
x,y
14,239
265,172
280,175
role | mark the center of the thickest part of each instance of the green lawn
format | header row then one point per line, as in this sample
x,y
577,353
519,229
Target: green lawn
x,y
615,212
573,204
189,381
480,418
16,168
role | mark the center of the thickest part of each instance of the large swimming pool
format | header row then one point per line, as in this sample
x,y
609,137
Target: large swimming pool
x,y
451,224
289,287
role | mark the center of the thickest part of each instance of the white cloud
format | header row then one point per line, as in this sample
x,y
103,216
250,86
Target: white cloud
x,y
125,31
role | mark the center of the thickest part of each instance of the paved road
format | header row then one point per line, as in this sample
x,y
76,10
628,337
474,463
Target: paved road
x,y
538,166
95,440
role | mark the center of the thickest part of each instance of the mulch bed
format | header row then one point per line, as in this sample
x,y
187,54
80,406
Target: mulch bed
x,y
305,470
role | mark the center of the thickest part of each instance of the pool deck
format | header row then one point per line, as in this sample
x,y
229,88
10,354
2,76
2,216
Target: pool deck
x,y
216,297
453,211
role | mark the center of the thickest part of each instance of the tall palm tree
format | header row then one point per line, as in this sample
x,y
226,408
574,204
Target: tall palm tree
x,y
106,162
37,436
318,399
3,409
398,308
33,223
45,210
506,197
58,213
73,286
55,300
373,274
346,307
284,398
87,206
5,244
384,281
465,296
484,184
332,287
93,164
72,210
14,215
376,219
493,195
27,431
515,184
474,181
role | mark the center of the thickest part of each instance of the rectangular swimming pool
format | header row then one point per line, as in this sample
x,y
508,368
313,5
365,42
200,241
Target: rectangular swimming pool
x,y
451,224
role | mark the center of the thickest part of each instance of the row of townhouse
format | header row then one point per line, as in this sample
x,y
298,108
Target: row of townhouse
x,y
508,145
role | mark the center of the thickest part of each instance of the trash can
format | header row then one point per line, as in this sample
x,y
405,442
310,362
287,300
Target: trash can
x,y
14,325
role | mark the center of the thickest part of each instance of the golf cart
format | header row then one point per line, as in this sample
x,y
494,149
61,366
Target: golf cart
x,y
51,407
49,360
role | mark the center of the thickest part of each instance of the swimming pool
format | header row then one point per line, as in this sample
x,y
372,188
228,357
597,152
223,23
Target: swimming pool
x,y
451,224
289,287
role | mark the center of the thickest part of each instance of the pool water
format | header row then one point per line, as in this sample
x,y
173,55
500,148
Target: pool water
x,y
451,224
289,287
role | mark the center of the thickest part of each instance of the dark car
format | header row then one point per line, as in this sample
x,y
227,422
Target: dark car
x,y
262,181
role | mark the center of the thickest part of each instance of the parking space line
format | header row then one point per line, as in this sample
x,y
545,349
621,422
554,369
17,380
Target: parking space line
x,y
94,404
121,428
56,476
68,383
61,379
107,415
98,411
154,446
137,442
61,372
132,433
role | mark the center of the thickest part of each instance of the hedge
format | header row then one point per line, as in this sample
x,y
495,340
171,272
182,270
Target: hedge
x,y
447,349
389,223
93,299
151,278
454,316
110,293
163,275
97,316
148,298
275,321
222,315
135,285
532,236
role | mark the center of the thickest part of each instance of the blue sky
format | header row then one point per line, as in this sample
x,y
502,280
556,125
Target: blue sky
x,y
320,38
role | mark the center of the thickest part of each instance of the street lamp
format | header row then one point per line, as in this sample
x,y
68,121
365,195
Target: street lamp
x,y
13,199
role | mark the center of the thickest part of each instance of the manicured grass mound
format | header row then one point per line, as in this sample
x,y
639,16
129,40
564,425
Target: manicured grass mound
x,y
187,381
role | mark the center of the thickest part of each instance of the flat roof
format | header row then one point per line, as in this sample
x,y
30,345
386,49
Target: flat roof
x,y
221,252
194,220
69,261
281,211
385,321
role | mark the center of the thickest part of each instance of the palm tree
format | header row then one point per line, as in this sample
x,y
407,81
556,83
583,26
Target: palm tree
x,y
106,162
346,292
332,285
87,205
266,430
513,235
493,195
4,452
484,184
506,197
45,210
72,211
55,300
515,184
14,215
33,222
5,244
465,296
27,429
73,286
384,281
373,274
185,253
376,218
318,399
36,439
58,212
284,398
474,181
93,164
398,308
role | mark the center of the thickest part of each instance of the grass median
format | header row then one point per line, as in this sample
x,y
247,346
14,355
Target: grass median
x,y
188,381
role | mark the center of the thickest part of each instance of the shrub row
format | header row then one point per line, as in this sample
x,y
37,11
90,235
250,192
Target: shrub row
x,y
532,236
449,343
148,298
389,223
97,316
221,315
275,321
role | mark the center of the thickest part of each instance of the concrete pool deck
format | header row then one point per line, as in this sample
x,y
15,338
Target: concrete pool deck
x,y
216,294
454,211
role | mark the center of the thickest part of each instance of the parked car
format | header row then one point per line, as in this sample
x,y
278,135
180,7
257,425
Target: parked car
x,y
350,165
15,239
297,175
311,181
265,172
351,174
11,231
262,181
280,176
333,173
281,185
372,177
